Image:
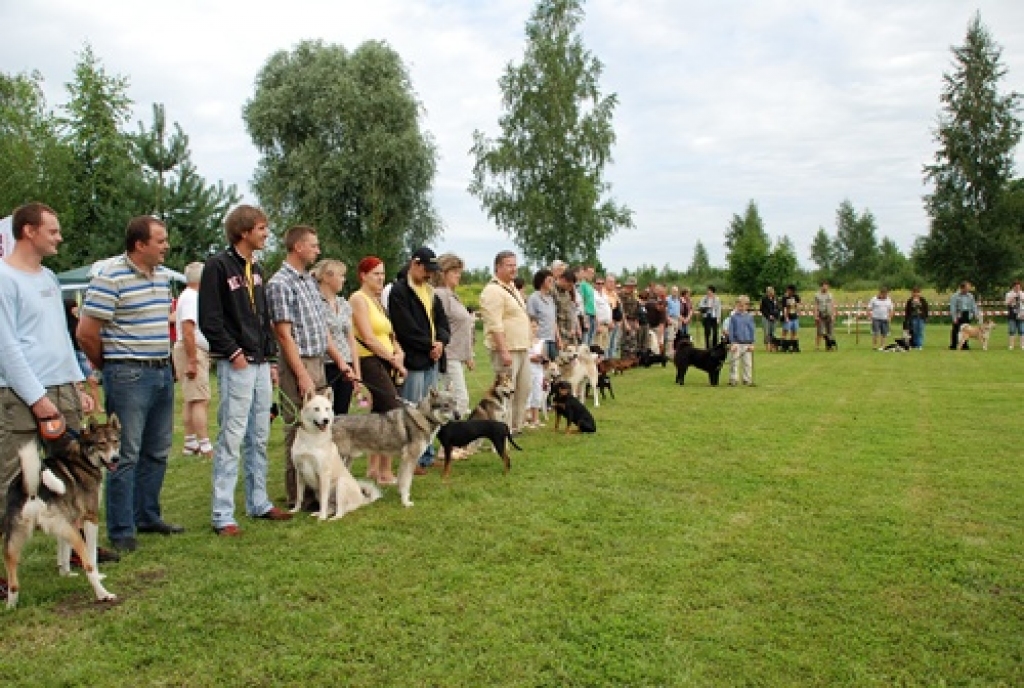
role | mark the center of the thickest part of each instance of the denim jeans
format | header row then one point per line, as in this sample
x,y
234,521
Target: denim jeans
x,y
143,399
588,336
244,418
417,384
917,332
613,341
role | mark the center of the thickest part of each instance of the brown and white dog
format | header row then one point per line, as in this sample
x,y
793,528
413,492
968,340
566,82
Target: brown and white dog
x,y
981,332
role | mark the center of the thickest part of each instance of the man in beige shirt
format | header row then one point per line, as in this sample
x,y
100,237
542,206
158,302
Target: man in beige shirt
x,y
507,332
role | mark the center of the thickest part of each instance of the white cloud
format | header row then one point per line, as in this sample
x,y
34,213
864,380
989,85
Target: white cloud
x,y
792,103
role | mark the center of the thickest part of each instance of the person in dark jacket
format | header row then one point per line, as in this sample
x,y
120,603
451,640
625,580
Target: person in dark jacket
x,y
769,316
914,317
422,330
235,317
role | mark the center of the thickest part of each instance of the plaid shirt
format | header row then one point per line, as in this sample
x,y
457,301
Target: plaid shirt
x,y
565,315
294,297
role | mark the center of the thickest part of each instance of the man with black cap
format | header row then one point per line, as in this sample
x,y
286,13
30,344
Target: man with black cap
x,y
421,328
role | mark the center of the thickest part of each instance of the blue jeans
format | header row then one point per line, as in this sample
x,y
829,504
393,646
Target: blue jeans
x,y
917,332
417,384
613,341
143,399
588,336
244,418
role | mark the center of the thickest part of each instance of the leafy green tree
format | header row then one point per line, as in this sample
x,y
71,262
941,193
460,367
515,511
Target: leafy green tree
x,y
700,266
780,268
174,191
34,160
542,180
971,234
856,246
105,177
341,148
823,253
748,246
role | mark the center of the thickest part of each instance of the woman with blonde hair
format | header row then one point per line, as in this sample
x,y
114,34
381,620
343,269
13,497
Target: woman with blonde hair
x,y
330,277
461,322
380,357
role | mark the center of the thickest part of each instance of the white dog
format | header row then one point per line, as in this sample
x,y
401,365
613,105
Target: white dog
x,y
578,365
318,464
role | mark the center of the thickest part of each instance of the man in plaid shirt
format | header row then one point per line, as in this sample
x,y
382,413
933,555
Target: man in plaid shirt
x,y
301,327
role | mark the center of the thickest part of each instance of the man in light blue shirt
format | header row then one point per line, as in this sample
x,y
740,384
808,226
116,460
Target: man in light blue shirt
x,y
39,373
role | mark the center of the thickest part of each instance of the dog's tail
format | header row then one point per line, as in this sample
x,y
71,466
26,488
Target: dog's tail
x,y
511,441
33,471
370,490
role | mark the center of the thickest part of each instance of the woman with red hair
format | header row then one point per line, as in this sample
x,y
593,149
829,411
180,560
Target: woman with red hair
x,y
381,359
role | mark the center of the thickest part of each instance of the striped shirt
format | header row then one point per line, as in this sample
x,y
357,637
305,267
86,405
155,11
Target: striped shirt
x,y
295,298
134,308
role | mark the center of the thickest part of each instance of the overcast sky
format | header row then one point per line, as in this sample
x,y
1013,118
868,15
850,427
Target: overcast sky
x,y
796,104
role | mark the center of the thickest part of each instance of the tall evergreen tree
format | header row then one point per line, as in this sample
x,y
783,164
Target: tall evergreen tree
x,y
174,191
542,180
823,253
856,245
700,266
748,247
972,235
105,176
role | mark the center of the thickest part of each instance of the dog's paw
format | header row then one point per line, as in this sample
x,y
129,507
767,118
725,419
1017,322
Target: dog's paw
x,y
407,503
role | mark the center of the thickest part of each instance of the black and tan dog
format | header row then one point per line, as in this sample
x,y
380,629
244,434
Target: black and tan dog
x,y
571,409
494,404
77,463
830,343
709,360
788,346
464,433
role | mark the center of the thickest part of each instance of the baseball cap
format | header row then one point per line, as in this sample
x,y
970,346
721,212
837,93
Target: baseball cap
x,y
630,282
426,257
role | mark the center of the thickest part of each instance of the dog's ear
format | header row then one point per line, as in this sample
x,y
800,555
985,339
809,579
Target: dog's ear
x,y
115,422
307,396
91,423
329,394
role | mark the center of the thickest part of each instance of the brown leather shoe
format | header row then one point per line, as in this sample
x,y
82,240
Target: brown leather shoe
x,y
230,530
420,470
275,514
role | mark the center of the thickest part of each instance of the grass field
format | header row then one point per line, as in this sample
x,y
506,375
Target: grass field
x,y
855,519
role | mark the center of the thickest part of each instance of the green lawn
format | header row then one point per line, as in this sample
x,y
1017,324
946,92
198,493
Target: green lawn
x,y
855,519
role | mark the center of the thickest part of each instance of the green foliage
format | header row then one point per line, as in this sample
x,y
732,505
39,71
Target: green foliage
x,y
173,190
856,244
823,253
700,266
341,148
105,177
780,268
973,234
34,160
748,247
542,181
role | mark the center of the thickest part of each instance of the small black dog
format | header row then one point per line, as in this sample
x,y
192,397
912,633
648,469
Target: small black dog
x,y
899,345
604,382
830,343
649,358
461,433
709,360
789,346
572,409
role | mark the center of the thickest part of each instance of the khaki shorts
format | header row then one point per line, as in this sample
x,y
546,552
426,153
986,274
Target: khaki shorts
x,y
18,425
197,388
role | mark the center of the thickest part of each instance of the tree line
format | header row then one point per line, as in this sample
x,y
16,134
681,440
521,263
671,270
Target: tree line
x,y
342,148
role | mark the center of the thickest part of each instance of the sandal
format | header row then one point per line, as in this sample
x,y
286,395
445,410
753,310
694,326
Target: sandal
x,y
384,482
205,449
191,447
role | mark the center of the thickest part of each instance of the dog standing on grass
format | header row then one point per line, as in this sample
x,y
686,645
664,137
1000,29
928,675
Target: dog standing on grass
x,y
78,465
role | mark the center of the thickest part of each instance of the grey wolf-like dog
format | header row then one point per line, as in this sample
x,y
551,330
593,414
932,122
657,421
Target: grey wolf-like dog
x,y
403,432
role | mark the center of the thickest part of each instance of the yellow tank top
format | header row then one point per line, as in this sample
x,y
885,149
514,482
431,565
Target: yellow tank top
x,y
379,323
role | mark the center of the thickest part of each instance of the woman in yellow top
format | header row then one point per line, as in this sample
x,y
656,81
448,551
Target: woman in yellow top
x,y
379,353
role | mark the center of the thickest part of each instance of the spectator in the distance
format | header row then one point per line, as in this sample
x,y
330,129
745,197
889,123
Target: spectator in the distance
x,y
915,316
962,309
882,309
192,365
1015,313
461,322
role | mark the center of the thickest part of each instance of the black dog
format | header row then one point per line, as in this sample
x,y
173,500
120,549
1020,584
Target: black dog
x,y
649,358
899,345
603,383
789,346
461,433
830,343
709,360
572,409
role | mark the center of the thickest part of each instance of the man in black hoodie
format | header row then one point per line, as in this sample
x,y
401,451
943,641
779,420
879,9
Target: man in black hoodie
x,y
421,327
235,317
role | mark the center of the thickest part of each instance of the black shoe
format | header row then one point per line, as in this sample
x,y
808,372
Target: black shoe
x,y
105,556
128,544
162,529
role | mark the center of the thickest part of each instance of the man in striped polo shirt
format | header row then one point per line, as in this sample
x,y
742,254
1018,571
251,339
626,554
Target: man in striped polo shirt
x,y
124,332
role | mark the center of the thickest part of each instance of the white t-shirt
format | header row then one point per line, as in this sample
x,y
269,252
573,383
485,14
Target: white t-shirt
x,y
602,308
188,309
1015,300
881,309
